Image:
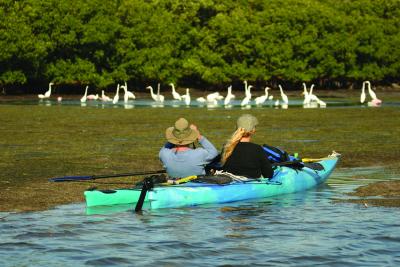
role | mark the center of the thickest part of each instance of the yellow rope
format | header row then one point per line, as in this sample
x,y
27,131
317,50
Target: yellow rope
x,y
180,181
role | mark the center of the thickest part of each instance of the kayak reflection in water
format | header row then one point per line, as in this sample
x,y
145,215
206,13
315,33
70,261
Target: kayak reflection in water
x,y
181,160
241,156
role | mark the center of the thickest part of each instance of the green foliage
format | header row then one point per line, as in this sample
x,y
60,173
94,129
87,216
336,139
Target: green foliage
x,y
207,42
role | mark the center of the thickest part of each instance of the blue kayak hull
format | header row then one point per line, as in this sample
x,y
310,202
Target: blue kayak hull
x,y
285,181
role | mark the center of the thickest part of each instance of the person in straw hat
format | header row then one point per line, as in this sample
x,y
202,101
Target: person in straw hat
x,y
178,158
241,156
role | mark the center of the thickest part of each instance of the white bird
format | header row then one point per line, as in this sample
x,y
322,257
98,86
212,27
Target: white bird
x,y
247,98
116,97
84,97
229,96
261,99
159,96
363,96
156,97
92,97
128,95
201,99
315,99
284,97
47,93
212,103
213,96
175,94
371,93
186,97
104,97
307,98
245,85
375,101
246,88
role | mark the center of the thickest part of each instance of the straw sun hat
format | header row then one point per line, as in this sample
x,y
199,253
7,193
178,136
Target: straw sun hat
x,y
181,133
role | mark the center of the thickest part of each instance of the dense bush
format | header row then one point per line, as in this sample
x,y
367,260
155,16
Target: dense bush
x,y
198,43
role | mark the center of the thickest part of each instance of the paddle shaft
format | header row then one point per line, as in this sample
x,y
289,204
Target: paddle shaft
x,y
94,177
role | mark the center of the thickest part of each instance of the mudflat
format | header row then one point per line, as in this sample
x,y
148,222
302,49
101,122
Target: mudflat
x,y
40,142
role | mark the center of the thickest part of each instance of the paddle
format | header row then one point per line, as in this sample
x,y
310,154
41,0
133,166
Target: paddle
x,y
299,164
94,177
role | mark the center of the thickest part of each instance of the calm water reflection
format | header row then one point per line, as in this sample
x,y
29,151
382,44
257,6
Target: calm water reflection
x,y
293,230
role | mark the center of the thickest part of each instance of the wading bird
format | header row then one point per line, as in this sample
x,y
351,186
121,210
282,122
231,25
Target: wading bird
x,y
315,99
284,97
156,97
229,96
47,94
186,97
261,99
363,95
116,97
201,99
127,95
84,97
92,97
104,98
214,97
375,100
175,94
246,100
307,98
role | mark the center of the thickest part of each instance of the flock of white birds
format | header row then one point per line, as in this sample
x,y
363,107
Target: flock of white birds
x,y
215,98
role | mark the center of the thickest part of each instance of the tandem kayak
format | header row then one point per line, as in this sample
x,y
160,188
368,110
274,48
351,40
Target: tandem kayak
x,y
285,180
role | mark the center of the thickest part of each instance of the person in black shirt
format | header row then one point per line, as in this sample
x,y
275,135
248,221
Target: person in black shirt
x,y
241,156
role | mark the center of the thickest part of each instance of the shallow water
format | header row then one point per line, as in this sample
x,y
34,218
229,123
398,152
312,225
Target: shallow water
x,y
142,103
302,229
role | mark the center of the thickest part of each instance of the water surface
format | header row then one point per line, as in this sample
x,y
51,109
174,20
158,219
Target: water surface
x,y
303,229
